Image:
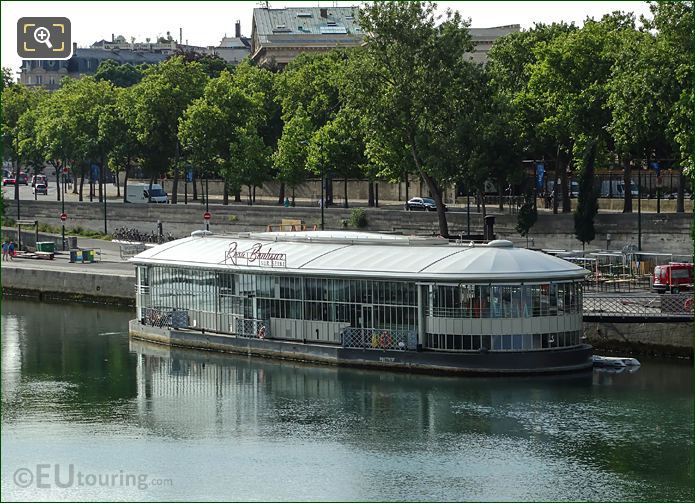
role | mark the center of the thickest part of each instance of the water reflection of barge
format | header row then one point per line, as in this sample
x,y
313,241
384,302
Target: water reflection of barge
x,y
361,299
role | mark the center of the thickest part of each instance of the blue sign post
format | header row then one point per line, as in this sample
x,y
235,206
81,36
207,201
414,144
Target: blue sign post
x,y
540,174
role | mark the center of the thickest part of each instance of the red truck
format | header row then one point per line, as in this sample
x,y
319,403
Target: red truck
x,y
673,277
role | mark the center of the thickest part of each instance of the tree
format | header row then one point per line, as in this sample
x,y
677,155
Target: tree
x,y
568,84
7,78
527,217
116,130
414,84
16,101
636,102
211,64
120,75
587,206
220,130
339,144
311,86
159,102
260,82
291,154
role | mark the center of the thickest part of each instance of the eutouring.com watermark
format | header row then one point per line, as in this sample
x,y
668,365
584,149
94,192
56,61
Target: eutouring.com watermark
x,y
61,476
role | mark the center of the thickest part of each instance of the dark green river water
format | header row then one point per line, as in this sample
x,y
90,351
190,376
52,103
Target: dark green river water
x,y
89,415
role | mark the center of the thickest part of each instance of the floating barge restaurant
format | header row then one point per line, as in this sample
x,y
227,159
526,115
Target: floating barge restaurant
x,y
363,299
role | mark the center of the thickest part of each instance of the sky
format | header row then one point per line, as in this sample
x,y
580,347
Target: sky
x,y
205,23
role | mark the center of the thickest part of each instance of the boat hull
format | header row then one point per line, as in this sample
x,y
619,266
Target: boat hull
x,y
486,363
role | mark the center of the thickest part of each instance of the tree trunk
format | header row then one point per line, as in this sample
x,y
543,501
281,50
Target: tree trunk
x,y
680,200
125,181
195,186
237,196
118,184
101,178
566,204
249,202
627,178
73,173
254,194
225,195
370,197
58,169
81,196
481,197
175,186
345,193
500,194
281,195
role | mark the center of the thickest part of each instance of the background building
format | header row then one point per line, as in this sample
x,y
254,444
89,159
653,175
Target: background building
x,y
280,35
483,38
85,61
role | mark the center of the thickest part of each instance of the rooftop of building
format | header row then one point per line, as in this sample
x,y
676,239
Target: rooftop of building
x,y
361,254
307,20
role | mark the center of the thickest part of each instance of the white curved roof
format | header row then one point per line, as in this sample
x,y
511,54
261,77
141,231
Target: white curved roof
x,y
361,254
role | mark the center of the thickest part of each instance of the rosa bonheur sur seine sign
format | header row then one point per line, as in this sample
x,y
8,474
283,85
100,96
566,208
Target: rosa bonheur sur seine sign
x,y
254,256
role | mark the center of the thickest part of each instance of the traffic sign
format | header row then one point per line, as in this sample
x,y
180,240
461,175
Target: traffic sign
x,y
63,216
207,215
65,170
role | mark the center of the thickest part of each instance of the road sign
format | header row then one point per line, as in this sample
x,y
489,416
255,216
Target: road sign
x,y
207,215
63,216
65,170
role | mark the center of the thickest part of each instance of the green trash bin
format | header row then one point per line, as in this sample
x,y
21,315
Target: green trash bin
x,y
45,246
87,256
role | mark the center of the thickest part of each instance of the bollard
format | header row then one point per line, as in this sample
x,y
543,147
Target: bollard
x,y
488,232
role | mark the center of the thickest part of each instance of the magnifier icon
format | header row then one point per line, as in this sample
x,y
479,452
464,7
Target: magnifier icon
x,y
43,36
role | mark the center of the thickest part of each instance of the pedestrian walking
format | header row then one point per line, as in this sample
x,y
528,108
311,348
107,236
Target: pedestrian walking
x,y
5,249
11,250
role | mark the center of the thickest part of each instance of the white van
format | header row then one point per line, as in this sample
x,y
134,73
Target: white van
x,y
140,192
616,188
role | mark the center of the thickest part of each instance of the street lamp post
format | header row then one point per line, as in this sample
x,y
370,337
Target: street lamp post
x,y
639,208
103,183
62,200
323,202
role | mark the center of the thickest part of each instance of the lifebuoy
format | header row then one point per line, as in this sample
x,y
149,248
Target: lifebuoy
x,y
386,340
261,332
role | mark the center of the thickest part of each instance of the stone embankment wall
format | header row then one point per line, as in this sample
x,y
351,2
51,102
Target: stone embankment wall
x,y
64,285
663,339
663,232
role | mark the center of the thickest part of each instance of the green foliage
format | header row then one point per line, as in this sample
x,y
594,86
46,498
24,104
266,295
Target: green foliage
x,y
120,75
159,102
587,206
358,218
8,79
527,217
416,89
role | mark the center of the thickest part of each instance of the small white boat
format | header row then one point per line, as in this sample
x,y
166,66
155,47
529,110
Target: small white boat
x,y
614,361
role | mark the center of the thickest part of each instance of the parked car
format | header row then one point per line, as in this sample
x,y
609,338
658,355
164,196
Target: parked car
x,y
673,277
39,179
9,181
23,179
40,188
139,193
422,203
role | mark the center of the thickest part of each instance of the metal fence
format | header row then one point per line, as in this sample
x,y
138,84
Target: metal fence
x,y
372,338
639,306
164,317
252,328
